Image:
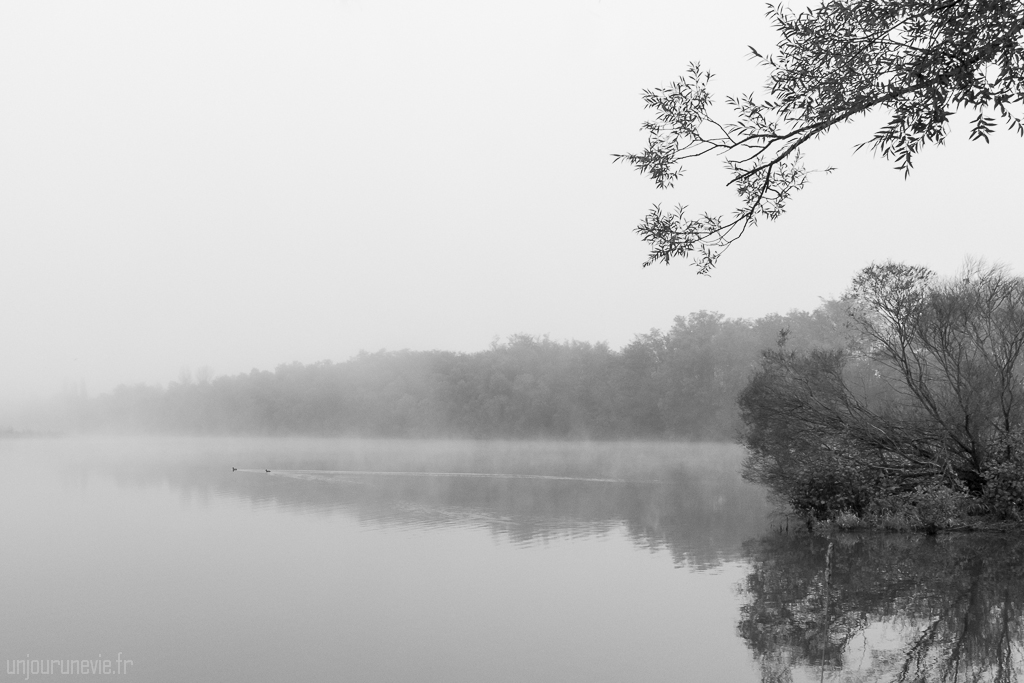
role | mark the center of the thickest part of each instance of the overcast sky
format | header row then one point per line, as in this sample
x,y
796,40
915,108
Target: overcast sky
x,y
243,184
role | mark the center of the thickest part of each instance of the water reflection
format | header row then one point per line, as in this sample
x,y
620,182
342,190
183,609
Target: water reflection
x,y
684,497
116,545
899,608
433,561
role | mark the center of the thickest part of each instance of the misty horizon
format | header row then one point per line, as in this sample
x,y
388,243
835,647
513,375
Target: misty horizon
x,y
206,372
237,186
678,383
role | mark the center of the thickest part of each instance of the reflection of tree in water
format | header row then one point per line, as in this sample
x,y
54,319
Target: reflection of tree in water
x,y
700,518
687,498
907,609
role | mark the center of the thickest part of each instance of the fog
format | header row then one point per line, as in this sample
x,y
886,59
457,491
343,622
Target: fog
x,y
237,185
680,383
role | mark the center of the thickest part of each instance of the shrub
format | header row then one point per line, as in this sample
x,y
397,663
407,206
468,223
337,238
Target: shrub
x,y
930,506
823,495
848,521
1004,488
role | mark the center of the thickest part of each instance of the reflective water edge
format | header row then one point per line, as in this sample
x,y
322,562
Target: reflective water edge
x,y
469,561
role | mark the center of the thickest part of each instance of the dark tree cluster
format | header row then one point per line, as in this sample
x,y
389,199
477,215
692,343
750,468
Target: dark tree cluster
x,y
918,418
679,384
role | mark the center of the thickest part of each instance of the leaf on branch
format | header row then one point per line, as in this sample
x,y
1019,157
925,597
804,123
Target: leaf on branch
x,y
919,60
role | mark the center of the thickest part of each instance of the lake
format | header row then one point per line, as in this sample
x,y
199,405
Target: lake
x,y
360,560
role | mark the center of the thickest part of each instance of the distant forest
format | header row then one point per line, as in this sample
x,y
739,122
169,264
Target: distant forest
x,y
679,384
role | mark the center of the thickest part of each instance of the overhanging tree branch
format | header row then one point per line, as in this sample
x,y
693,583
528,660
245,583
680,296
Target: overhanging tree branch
x,y
920,60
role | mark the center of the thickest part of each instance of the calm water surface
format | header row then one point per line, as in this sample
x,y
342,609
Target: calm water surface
x,y
468,561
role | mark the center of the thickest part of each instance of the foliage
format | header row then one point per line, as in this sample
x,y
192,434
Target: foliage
x,y
805,438
923,406
1004,480
920,61
828,493
930,506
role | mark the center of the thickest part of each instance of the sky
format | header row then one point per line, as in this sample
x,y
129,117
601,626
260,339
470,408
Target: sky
x,y
236,185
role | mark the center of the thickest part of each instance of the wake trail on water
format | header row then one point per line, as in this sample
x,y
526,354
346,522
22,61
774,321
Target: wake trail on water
x,y
482,475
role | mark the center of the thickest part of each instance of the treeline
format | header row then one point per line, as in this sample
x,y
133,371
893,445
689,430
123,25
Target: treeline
x,y
679,384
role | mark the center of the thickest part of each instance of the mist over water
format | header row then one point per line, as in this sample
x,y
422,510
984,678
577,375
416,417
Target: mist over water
x,y
686,498
393,560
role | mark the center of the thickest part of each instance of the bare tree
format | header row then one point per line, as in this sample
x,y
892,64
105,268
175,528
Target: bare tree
x,y
955,348
929,389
